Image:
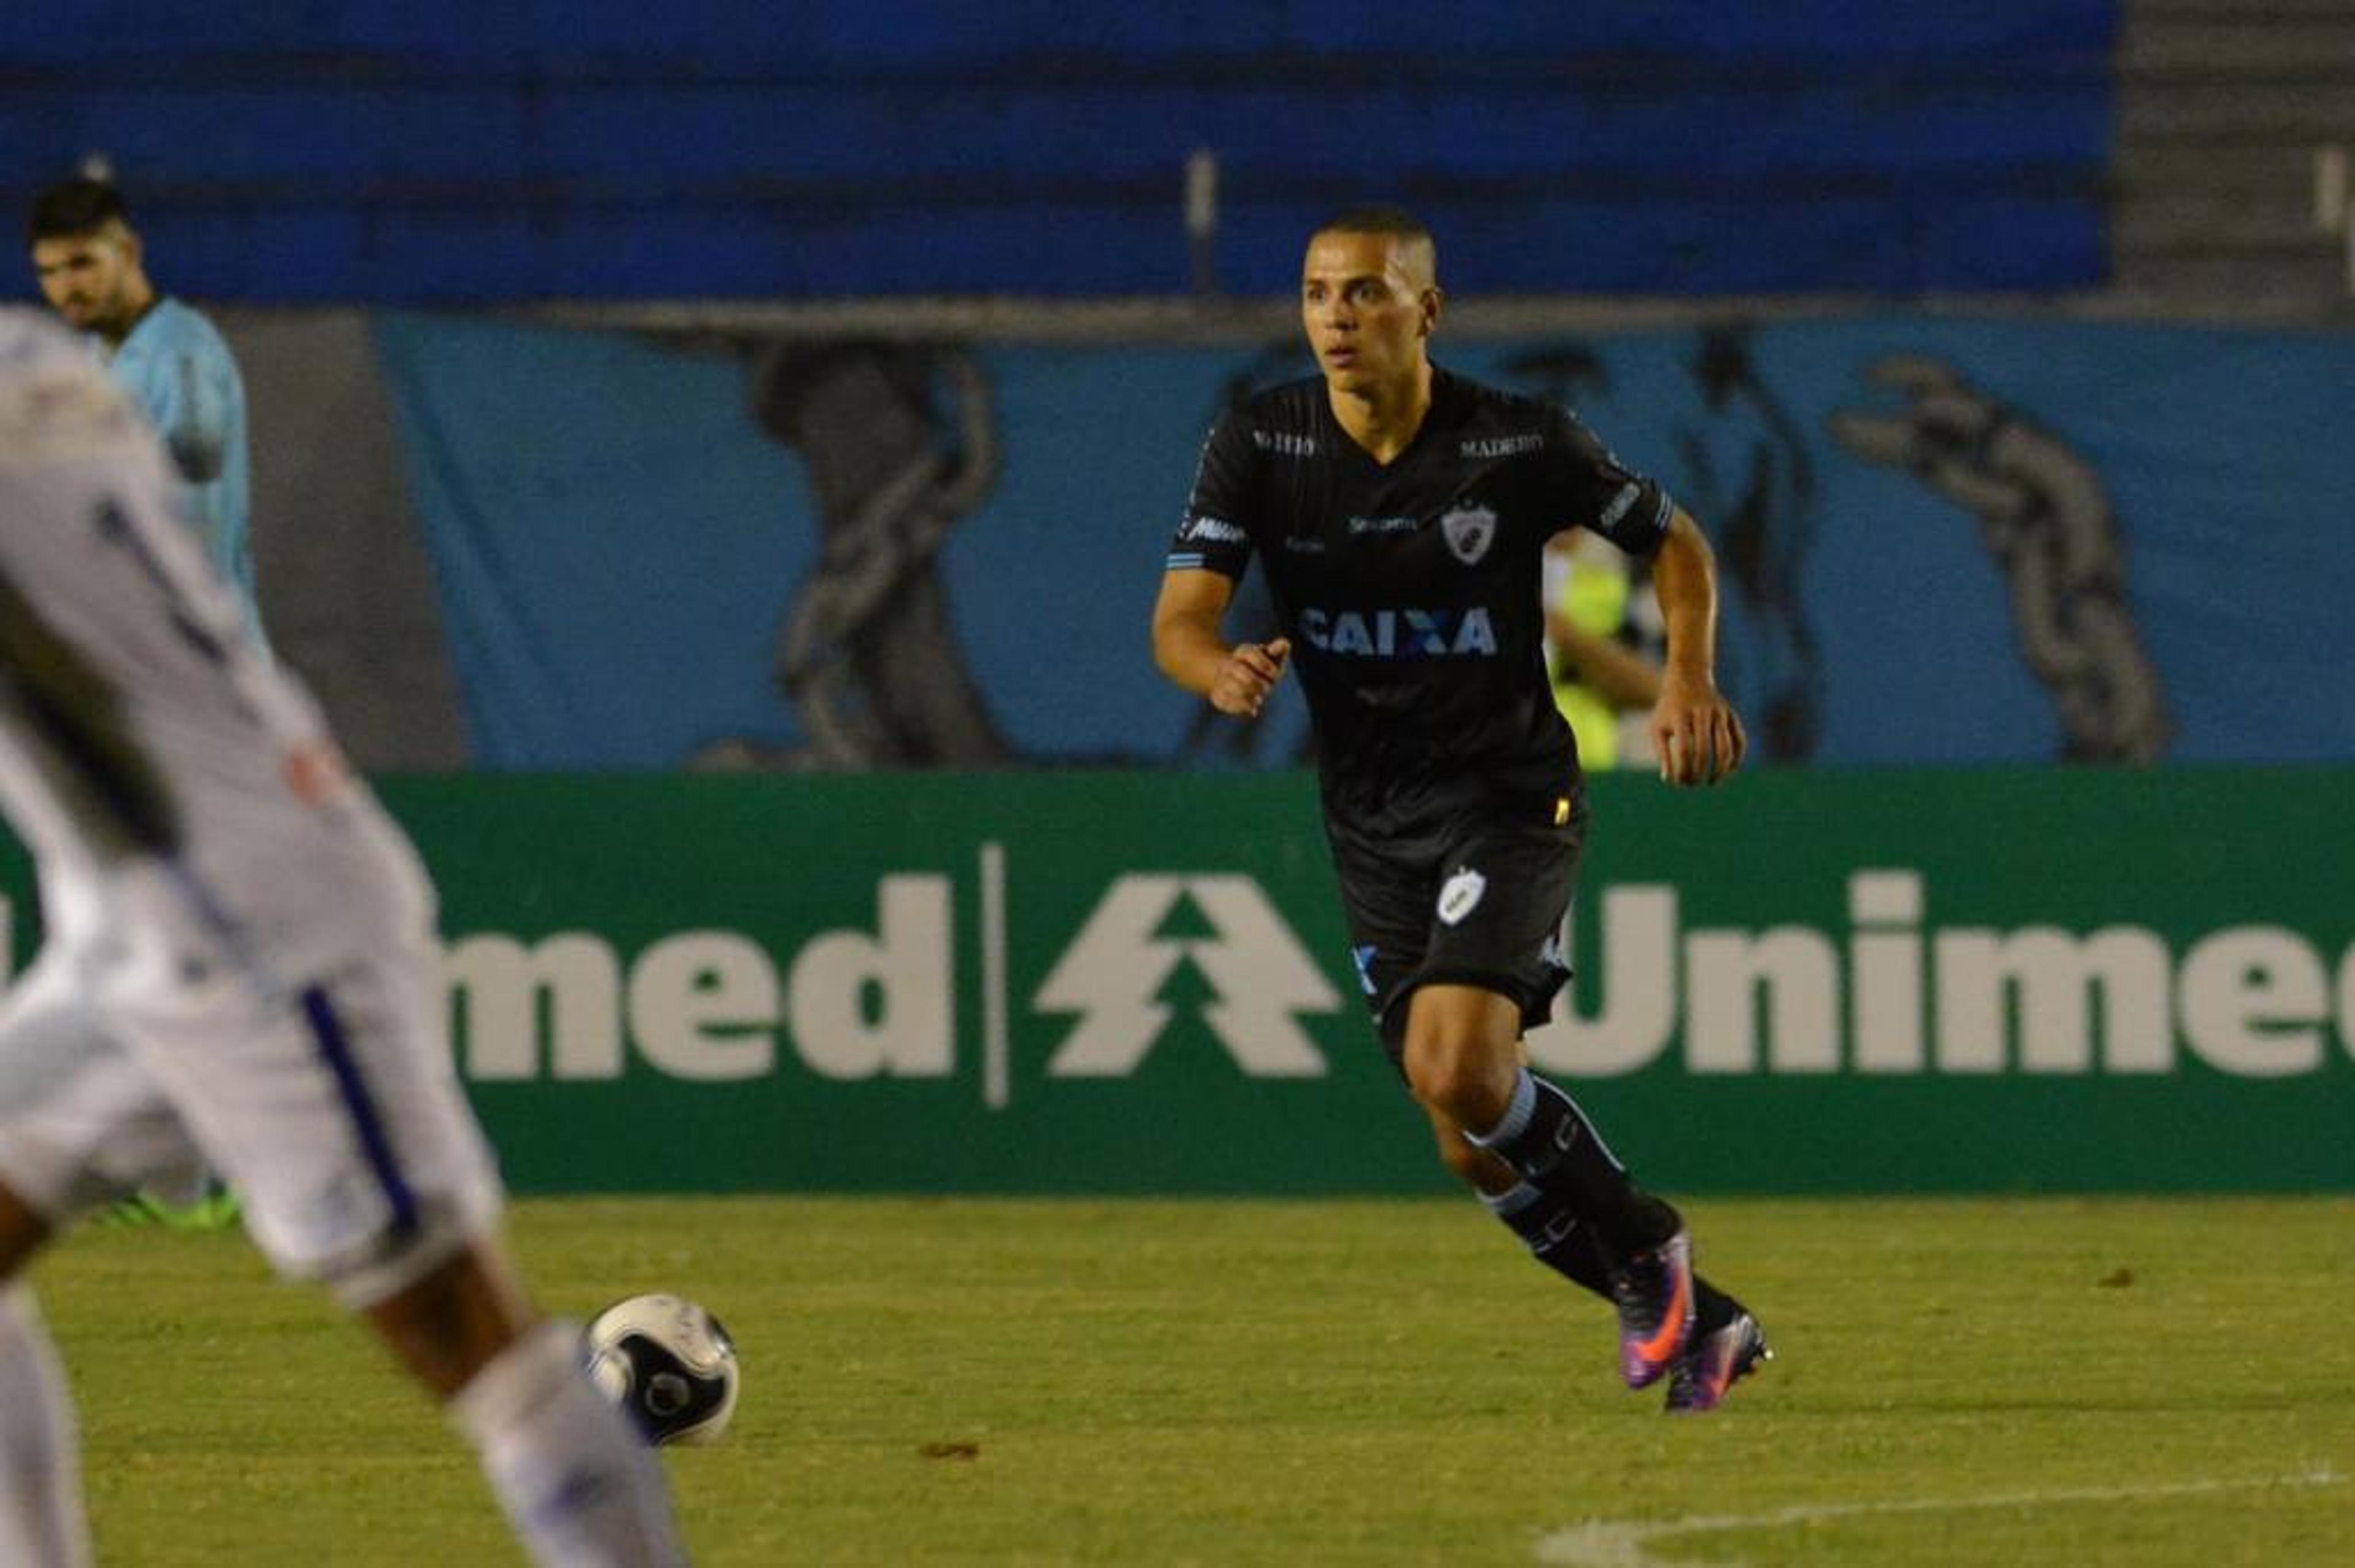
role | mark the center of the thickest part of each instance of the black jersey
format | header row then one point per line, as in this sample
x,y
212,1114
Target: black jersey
x,y
1411,591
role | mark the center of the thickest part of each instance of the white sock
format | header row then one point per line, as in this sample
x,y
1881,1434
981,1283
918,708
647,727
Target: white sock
x,y
41,1523
580,1485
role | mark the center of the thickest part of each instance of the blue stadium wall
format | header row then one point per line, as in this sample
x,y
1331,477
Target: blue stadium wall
x,y
445,152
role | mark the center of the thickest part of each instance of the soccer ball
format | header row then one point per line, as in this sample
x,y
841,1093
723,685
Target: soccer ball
x,y
667,1362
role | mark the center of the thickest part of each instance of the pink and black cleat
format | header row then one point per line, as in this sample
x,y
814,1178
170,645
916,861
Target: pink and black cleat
x,y
1654,1293
1713,1363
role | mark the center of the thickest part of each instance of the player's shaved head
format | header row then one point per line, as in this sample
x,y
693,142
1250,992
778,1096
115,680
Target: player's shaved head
x,y
1412,247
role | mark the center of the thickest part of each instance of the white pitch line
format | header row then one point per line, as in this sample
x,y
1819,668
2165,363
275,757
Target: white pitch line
x,y
1619,1544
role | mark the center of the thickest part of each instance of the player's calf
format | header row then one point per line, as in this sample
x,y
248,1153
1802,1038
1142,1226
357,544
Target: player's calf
x,y
579,1486
22,1232
1545,1137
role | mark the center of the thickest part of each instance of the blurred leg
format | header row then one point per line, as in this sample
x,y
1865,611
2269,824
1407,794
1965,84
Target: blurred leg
x,y
41,1523
578,1485
331,1111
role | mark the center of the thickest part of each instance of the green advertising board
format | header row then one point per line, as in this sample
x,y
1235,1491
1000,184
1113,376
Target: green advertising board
x,y
1882,981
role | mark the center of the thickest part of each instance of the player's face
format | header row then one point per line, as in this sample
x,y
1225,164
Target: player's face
x,y
91,279
1368,301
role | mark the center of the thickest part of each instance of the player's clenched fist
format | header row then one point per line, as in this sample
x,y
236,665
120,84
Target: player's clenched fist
x,y
1250,672
1695,732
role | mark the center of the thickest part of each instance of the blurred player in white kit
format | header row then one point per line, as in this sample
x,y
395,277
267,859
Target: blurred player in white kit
x,y
238,969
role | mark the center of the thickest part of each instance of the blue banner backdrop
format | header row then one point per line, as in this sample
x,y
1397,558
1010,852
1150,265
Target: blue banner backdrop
x,y
1945,541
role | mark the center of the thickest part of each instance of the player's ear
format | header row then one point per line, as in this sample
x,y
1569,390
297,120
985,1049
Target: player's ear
x,y
1434,299
122,237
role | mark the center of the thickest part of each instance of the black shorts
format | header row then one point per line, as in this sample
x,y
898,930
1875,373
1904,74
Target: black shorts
x,y
1480,904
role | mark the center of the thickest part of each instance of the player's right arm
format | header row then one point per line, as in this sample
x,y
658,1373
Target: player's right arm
x,y
1191,645
1208,558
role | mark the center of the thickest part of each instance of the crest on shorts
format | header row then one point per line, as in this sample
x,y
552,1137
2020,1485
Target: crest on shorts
x,y
1461,895
1468,530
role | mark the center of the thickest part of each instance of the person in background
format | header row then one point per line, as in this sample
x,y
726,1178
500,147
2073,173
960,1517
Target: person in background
x,y
164,352
1599,659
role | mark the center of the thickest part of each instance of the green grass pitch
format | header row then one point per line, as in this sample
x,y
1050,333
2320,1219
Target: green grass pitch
x,y
945,1382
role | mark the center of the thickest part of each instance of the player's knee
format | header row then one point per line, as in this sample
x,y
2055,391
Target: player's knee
x,y
1454,1071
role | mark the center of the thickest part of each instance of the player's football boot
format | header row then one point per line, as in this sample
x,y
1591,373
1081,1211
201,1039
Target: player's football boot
x,y
1714,1362
1654,1293
215,1207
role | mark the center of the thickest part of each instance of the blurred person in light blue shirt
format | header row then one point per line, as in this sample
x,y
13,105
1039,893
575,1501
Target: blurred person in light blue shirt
x,y
163,353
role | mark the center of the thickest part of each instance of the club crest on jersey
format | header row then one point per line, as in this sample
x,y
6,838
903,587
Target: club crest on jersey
x,y
1469,531
1460,895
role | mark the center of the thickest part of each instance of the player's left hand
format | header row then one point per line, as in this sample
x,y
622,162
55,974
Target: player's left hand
x,y
1695,732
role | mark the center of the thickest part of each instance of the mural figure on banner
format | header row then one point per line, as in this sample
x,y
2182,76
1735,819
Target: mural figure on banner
x,y
2047,522
868,654
1743,463
1762,495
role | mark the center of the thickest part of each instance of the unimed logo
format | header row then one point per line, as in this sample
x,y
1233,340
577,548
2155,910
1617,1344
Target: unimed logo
x,y
711,1005
1892,995
1205,963
1113,973
850,1004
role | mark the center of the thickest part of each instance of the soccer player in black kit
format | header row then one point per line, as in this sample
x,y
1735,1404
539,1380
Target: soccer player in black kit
x,y
1399,513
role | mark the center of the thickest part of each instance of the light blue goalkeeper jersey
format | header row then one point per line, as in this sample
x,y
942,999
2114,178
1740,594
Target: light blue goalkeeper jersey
x,y
178,370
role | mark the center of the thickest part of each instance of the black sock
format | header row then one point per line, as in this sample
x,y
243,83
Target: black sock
x,y
1548,1227
1712,1308
1548,1139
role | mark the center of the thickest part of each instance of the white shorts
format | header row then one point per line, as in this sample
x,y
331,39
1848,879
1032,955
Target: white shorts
x,y
328,1103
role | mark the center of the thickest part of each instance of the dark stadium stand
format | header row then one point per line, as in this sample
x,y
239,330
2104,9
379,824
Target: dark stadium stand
x,y
445,152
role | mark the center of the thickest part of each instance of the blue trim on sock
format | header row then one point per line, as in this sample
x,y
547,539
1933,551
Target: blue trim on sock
x,y
1505,1205
1518,1112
